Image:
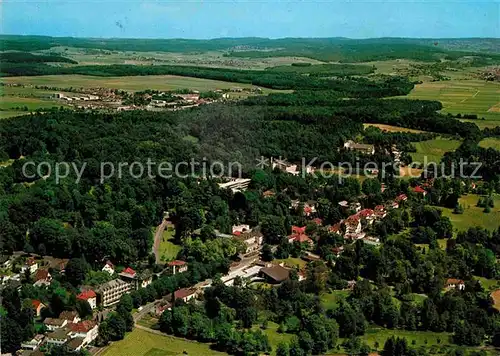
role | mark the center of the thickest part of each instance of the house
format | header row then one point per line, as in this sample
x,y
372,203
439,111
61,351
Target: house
x,y
268,194
177,266
353,236
370,240
236,184
252,240
53,323
352,225
360,147
30,265
42,278
355,206
90,297
453,283
57,337
336,229
136,280
70,315
87,330
380,212
189,98
367,215
75,344
34,343
401,198
58,264
393,205
337,251
317,221
241,228
299,235
37,306
275,274
109,267
160,308
419,190
344,204
184,294
110,292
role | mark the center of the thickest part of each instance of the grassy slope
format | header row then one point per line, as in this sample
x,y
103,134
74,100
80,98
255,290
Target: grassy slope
x,y
490,142
473,215
168,250
143,343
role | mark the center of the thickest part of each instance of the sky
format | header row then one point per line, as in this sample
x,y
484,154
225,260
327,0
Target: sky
x,y
204,19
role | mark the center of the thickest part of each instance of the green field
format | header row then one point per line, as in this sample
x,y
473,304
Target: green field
x,y
376,334
464,97
293,262
490,143
143,343
275,338
433,150
473,215
331,300
133,83
9,103
168,250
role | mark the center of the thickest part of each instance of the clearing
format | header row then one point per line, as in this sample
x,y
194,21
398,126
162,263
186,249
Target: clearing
x,y
168,250
433,150
331,300
473,215
490,142
142,343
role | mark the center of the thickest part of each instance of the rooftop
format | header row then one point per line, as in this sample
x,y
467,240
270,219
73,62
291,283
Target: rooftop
x,y
276,272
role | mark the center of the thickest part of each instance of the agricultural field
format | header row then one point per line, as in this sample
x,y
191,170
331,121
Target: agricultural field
x,y
433,150
473,215
464,97
490,142
391,128
132,83
143,343
204,59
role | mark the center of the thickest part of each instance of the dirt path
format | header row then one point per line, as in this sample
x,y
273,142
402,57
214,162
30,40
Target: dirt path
x,y
157,240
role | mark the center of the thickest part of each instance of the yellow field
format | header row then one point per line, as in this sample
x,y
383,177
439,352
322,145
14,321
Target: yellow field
x,y
490,142
133,83
390,128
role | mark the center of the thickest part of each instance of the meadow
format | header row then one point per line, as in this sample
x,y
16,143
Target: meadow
x,y
143,343
433,150
133,83
473,215
490,142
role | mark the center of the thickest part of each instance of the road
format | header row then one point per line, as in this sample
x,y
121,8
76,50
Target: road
x,y
157,240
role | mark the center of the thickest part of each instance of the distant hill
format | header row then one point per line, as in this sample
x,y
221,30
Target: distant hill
x,y
327,49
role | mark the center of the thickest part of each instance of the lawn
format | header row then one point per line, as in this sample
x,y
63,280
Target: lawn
x,y
293,262
491,142
433,150
473,215
488,284
132,83
168,250
142,343
274,336
330,300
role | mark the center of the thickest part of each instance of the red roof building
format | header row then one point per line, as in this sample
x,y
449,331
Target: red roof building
x,y
318,221
86,295
419,190
82,327
401,197
298,230
129,271
177,263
